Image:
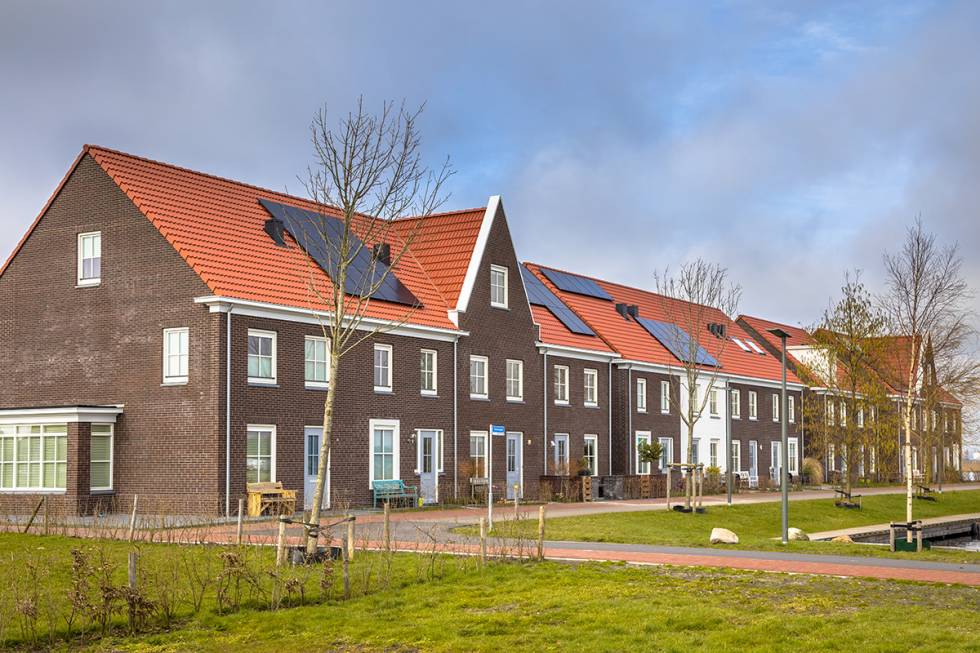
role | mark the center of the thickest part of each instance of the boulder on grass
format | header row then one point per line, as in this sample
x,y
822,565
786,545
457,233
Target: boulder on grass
x,y
723,536
843,538
795,534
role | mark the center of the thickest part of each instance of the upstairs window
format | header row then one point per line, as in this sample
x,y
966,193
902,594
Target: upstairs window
x,y
428,370
515,380
498,286
90,258
591,387
641,395
775,407
478,377
382,368
665,397
261,356
713,402
753,405
175,355
736,400
561,384
316,363
791,409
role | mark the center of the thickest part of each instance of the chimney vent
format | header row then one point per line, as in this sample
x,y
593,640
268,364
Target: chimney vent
x,y
716,329
382,253
633,310
621,309
275,228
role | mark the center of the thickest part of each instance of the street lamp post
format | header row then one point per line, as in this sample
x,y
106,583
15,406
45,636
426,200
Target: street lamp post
x,y
783,448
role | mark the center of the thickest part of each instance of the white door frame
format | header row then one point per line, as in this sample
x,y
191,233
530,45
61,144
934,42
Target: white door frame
x,y
326,488
436,457
595,448
519,437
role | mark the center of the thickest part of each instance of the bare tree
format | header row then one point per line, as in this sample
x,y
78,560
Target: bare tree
x,y
698,295
367,173
926,300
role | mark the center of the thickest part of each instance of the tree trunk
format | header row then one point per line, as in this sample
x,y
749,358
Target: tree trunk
x,y
325,447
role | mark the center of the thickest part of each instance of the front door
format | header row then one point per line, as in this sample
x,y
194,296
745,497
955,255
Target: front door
x,y
514,465
311,459
428,466
753,462
561,454
777,461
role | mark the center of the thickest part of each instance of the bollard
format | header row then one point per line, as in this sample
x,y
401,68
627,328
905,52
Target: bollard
x,y
281,542
238,535
918,539
483,540
346,560
668,487
517,513
133,557
891,537
350,537
541,533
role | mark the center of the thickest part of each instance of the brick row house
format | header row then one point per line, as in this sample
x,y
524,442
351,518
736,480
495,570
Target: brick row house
x,y
159,338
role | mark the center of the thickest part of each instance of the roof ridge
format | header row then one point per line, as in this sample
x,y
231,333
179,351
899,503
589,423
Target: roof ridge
x,y
442,214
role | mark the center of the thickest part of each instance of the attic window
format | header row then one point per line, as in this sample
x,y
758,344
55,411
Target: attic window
x,y
90,258
756,347
741,345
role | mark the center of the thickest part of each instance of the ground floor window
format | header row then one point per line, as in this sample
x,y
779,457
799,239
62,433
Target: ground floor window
x,y
591,454
695,454
100,457
794,466
736,456
384,450
666,453
34,457
478,454
642,467
713,453
260,448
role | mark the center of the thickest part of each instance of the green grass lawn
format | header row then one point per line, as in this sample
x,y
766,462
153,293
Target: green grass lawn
x,y
755,524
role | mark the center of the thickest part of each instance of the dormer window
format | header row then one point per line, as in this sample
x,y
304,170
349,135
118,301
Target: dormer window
x,y
498,286
90,258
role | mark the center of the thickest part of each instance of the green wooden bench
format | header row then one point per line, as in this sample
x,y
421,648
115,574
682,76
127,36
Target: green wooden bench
x,y
393,489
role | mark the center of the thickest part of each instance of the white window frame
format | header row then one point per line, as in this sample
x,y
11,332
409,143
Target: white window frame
x,y
665,397
736,456
831,458
391,369
560,387
313,383
519,366
593,374
753,405
499,269
486,377
713,402
485,436
433,355
843,414
594,439
641,395
775,407
666,452
260,333
112,443
395,426
17,431
793,455
440,439
641,436
791,408
183,360
272,448
735,403
696,450
80,279
713,445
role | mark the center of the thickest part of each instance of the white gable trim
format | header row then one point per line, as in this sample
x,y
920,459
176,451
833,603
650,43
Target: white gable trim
x,y
469,281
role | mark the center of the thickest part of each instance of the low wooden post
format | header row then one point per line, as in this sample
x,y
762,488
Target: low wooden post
x,y
238,534
918,538
45,515
33,515
891,537
281,543
131,598
345,556
517,512
668,487
350,537
132,518
133,561
387,527
541,531
483,540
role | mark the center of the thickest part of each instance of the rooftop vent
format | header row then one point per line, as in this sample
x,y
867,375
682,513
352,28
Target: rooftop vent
x,y
275,228
633,310
716,329
382,253
621,309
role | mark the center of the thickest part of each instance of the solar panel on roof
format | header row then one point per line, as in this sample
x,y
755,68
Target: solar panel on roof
x,y
539,295
576,284
320,235
677,341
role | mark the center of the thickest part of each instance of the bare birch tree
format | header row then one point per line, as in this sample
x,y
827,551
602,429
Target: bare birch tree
x,y
367,173
926,300
695,296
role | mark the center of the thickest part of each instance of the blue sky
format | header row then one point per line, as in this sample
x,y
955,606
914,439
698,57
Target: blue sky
x,y
789,141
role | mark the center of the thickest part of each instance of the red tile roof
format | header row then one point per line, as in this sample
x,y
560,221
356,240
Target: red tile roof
x,y
634,343
553,332
797,335
217,224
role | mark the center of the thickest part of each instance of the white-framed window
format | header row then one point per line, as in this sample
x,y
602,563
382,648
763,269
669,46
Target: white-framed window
x,y
176,356
666,452
665,397
34,457
478,377
860,417
843,414
316,361
736,456
428,365
515,380
791,408
261,356
591,386
915,419
478,453
946,422
642,468
713,453
753,405
90,258
794,467
696,451
383,462
260,453
100,457
382,368
956,456
736,401
498,286
591,453
641,395
561,384
830,413
713,402
871,460
932,423
831,458
775,407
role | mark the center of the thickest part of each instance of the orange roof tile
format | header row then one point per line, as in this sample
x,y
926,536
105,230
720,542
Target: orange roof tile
x,y
553,332
797,335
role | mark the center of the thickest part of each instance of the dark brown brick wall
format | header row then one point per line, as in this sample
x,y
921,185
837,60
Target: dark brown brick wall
x,y
659,424
576,419
764,430
63,345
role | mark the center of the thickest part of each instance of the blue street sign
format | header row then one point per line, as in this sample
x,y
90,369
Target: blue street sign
x,y
497,429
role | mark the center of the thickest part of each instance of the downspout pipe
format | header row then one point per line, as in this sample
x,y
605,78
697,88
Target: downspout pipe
x,y
728,441
609,412
228,412
455,419
545,402
629,411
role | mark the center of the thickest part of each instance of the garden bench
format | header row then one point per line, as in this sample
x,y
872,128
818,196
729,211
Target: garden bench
x,y
393,489
270,498
844,499
924,492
